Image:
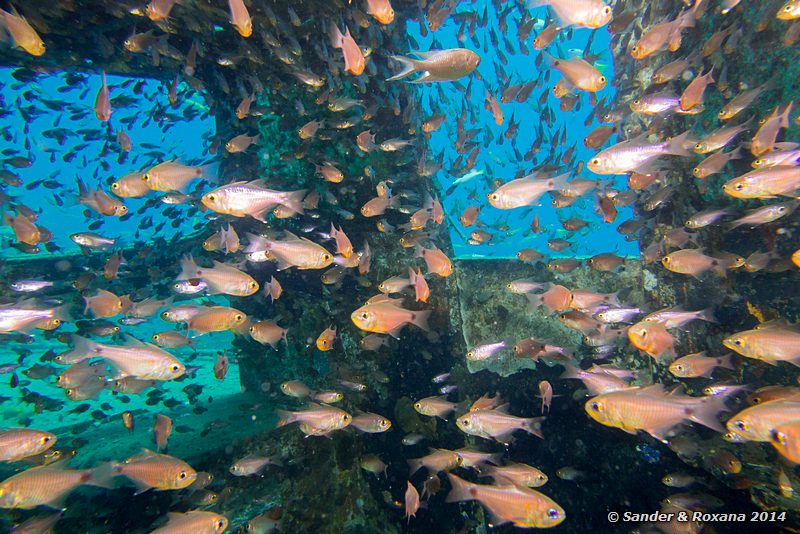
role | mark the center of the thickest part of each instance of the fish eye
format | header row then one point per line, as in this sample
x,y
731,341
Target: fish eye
x,y
606,11
44,439
596,406
595,161
252,329
155,337
666,259
739,186
345,417
635,48
494,196
56,322
637,102
779,437
470,354
541,477
552,513
238,317
364,315
679,367
601,79
115,186
384,423
381,286
147,177
738,342
175,367
465,422
220,524
417,406
182,475
741,425
212,198
698,146
696,171
782,209
251,284
326,257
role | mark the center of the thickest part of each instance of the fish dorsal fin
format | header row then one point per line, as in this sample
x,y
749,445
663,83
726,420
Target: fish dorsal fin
x,y
291,236
653,389
503,408
133,341
218,265
427,55
379,298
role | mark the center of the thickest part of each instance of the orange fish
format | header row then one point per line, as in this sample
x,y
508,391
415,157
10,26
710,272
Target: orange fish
x,y
220,279
103,304
756,423
770,343
652,338
653,410
240,18
580,73
149,470
46,486
786,440
317,419
383,315
506,503
216,319
193,522
19,443
436,260
421,290
343,245
354,61
102,104
381,10
24,230
326,338
267,333
294,251
131,185
162,430
22,33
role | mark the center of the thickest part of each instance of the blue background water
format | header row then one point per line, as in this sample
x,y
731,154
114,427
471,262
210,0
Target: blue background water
x,y
497,159
169,136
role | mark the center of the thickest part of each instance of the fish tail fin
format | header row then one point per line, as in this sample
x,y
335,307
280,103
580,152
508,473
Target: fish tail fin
x,y
784,117
285,418
83,191
103,475
461,489
570,371
208,172
560,181
533,425
725,362
336,35
414,465
676,145
705,412
62,313
409,66
707,315
189,268
294,200
420,319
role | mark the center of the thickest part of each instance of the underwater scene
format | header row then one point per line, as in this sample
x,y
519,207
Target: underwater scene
x,y
373,266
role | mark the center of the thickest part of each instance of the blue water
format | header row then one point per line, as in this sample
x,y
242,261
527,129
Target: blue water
x,y
497,158
97,159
